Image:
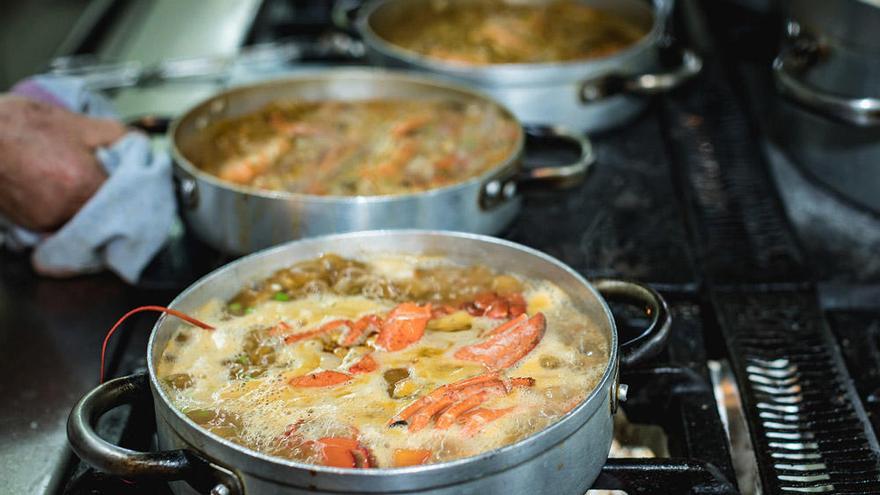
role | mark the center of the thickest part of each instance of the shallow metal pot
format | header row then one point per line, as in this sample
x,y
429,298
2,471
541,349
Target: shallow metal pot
x,y
829,73
564,458
587,95
242,220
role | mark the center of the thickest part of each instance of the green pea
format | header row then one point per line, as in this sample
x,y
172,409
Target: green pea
x,y
235,309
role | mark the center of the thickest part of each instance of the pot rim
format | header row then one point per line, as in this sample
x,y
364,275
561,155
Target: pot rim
x,y
356,73
582,413
501,73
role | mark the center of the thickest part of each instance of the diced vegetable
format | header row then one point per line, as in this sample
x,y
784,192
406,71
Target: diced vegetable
x,y
258,353
550,362
454,322
393,376
404,388
179,381
223,423
410,457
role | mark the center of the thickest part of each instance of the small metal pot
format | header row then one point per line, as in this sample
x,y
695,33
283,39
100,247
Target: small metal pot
x,y
241,220
564,458
588,95
829,72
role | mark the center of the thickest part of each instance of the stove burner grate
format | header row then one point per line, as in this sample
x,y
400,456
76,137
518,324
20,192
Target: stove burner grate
x,y
808,427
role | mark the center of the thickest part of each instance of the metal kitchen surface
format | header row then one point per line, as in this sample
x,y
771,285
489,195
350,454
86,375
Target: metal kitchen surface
x,y
682,198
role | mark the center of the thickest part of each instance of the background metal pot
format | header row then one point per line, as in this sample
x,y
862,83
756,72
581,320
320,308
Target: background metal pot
x,y
564,458
829,70
587,95
241,220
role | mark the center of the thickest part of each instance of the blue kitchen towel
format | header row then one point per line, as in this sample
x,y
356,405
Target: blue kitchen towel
x,y
128,219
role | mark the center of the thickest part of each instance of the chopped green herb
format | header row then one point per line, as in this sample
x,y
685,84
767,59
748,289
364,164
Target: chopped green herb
x,y
235,308
281,296
248,311
243,359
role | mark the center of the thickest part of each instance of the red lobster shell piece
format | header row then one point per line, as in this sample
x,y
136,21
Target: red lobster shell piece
x,y
446,404
492,305
319,379
507,344
344,453
404,326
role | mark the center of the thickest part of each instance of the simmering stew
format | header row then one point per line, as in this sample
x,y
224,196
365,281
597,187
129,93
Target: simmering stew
x,y
365,147
510,31
384,361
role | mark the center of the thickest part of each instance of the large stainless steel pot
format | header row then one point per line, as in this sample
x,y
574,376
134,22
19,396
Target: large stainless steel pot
x,y
829,71
564,458
587,95
241,220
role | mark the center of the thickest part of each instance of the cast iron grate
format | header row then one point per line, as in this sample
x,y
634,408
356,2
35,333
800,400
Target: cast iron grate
x,y
807,425
740,228
677,476
736,217
806,422
859,335
675,393
678,399
599,228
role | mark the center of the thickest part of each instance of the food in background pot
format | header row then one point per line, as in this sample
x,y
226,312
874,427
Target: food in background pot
x,y
384,361
358,148
513,32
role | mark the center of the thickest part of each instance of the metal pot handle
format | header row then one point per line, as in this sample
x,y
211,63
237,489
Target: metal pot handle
x,y
565,175
862,112
593,90
504,187
172,465
653,339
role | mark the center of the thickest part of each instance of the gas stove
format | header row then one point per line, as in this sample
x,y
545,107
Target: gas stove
x,y
769,381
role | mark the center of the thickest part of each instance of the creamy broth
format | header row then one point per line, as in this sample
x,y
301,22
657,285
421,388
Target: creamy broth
x,y
338,362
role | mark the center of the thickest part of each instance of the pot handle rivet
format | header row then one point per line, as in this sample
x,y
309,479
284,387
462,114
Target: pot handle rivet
x,y
622,390
189,192
220,489
509,190
493,188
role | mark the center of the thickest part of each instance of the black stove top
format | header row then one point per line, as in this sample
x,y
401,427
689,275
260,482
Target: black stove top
x,y
681,198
